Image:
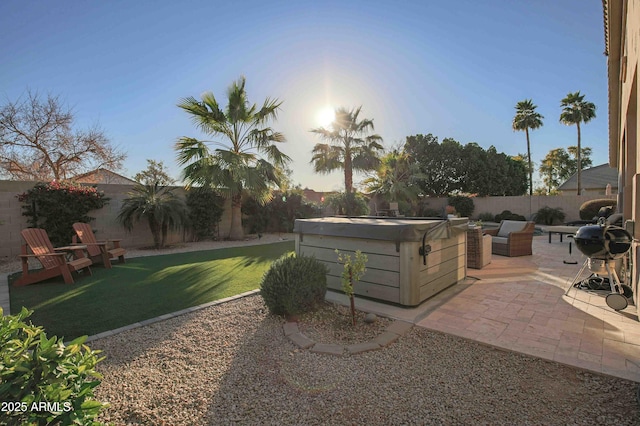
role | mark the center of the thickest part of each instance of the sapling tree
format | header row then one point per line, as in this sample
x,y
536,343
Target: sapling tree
x,y
352,272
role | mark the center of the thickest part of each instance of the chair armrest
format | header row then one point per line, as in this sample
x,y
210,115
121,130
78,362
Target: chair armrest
x,y
39,255
521,235
493,232
116,242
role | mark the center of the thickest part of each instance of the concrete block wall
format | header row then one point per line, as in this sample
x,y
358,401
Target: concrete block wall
x,y
105,224
570,204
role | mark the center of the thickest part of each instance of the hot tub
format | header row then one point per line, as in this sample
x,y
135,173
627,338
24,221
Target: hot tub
x,y
398,270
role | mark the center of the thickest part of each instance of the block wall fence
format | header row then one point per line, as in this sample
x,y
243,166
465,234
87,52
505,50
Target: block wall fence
x,y
106,225
570,204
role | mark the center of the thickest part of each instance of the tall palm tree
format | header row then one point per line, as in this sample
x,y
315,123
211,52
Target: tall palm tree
x,y
159,205
348,147
527,118
576,110
246,158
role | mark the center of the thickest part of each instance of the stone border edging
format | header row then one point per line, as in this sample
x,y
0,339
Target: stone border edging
x,y
394,331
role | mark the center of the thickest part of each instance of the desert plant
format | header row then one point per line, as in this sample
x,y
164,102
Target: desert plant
x,y
548,215
43,380
294,284
463,205
56,206
352,272
159,205
589,209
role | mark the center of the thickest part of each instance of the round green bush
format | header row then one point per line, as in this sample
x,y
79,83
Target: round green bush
x,y
507,215
589,209
464,205
294,284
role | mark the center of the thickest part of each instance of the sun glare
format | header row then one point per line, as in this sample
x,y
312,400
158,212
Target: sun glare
x,y
325,117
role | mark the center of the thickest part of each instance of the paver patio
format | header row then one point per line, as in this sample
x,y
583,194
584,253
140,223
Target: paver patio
x,y
519,304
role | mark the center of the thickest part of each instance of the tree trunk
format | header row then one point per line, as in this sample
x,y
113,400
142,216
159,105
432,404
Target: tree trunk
x,y
348,176
348,182
236,232
154,226
529,162
165,231
579,160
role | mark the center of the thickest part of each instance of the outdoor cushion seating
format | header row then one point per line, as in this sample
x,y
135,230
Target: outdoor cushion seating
x,y
99,251
512,238
53,260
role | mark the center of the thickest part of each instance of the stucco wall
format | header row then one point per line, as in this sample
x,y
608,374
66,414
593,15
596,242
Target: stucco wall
x,y
105,223
570,204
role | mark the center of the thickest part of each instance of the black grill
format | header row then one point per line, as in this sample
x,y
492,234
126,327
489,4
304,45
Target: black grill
x,y
606,242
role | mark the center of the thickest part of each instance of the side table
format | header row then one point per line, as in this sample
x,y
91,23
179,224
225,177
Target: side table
x,y
478,249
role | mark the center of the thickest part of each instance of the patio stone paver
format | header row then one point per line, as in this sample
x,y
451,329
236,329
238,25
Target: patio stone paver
x,y
538,319
386,338
399,327
290,328
363,347
329,349
301,341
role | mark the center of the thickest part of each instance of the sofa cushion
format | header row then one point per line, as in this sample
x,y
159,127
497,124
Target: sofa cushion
x,y
500,240
509,226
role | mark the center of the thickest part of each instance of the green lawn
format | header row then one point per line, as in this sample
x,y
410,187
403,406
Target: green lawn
x,y
144,288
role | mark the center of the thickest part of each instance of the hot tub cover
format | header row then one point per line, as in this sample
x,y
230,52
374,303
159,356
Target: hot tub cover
x,y
388,229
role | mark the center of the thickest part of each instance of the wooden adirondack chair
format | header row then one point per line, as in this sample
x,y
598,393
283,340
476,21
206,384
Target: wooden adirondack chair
x,y
98,250
54,260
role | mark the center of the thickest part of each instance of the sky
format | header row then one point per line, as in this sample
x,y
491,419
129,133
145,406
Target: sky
x,y
451,68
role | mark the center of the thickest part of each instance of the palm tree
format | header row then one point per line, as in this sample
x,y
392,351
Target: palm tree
x,y
576,110
396,178
162,209
527,118
348,147
246,160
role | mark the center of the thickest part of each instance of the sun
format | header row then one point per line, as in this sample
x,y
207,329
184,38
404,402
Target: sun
x,y
325,117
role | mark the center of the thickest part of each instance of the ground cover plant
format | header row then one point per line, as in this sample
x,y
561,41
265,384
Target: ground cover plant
x,y
143,288
44,381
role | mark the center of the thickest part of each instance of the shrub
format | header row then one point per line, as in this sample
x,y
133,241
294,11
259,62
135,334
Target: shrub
x,y
205,211
590,209
507,215
56,206
38,370
429,212
486,217
279,214
338,202
463,205
294,284
548,215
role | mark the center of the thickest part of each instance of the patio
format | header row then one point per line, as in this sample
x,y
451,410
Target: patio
x,y
518,304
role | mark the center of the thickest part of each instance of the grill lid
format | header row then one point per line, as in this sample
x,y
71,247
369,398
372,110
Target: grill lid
x,y
605,242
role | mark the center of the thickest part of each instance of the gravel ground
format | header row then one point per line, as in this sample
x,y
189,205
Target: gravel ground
x,y
232,364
